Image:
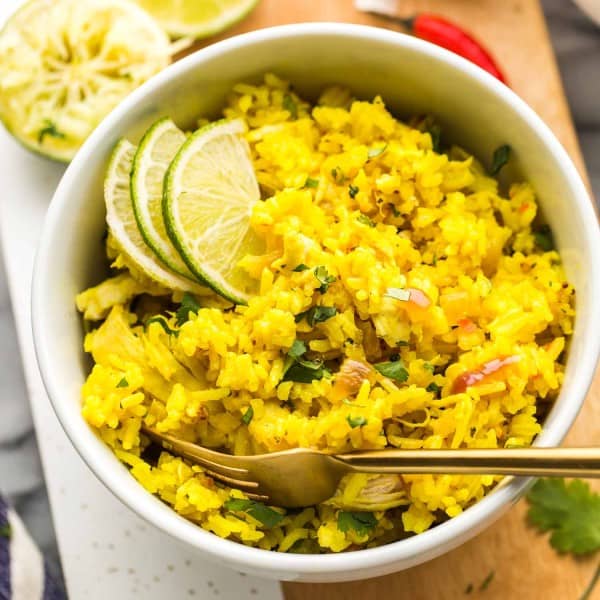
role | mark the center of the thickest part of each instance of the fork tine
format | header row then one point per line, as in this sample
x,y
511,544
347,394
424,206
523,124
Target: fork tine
x,y
235,483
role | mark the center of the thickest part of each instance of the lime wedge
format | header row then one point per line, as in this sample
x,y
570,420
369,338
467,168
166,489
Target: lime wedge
x,y
209,191
65,65
123,226
197,18
156,151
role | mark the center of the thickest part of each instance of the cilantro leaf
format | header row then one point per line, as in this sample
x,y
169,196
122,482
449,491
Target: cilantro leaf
x,y
393,370
163,323
302,370
353,190
188,304
361,522
51,130
337,175
571,511
428,367
375,152
311,183
324,278
355,422
435,132
301,267
316,314
544,239
365,220
500,158
433,387
123,383
247,416
6,531
291,106
257,510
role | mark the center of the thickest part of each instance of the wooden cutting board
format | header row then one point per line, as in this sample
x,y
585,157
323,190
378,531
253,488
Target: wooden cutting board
x,y
523,564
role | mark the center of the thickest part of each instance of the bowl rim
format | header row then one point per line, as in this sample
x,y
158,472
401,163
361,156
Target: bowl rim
x,y
442,537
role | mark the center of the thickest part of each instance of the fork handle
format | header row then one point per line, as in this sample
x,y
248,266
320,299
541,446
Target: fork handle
x,y
535,462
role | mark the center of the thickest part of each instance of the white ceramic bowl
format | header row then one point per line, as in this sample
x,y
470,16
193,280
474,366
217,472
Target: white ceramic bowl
x,y
413,77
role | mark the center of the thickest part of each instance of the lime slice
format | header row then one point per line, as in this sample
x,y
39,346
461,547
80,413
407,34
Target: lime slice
x,y
209,191
197,18
65,64
123,226
156,151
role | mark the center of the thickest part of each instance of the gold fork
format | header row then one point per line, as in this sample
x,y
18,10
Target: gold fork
x,y
303,477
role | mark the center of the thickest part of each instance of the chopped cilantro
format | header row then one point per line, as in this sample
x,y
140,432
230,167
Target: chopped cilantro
x,y
301,267
435,132
365,220
361,522
317,314
571,511
51,130
544,239
486,582
257,510
337,175
123,383
434,260
375,152
302,370
247,416
6,531
352,191
311,183
500,158
188,304
397,294
324,278
163,323
393,370
356,421
291,106
395,211
433,387
428,367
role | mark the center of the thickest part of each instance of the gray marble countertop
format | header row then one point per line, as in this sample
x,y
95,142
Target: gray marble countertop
x,y
577,43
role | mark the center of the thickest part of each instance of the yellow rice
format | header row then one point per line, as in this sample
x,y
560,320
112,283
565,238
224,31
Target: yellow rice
x,y
415,218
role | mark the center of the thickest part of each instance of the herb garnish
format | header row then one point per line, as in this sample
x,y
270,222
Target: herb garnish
x,y
123,383
544,239
356,421
375,152
337,175
163,323
500,158
289,105
433,387
51,130
247,416
188,304
299,369
361,522
428,367
257,510
301,267
6,531
316,314
324,278
486,582
365,220
353,190
393,370
571,511
311,183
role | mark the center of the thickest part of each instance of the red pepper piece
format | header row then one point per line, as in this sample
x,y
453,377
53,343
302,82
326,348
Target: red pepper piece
x,y
462,382
446,34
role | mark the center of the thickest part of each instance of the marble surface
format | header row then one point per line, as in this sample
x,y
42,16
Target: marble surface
x,y
577,43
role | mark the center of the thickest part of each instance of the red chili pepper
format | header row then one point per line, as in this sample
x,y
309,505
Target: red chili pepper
x,y
469,378
446,34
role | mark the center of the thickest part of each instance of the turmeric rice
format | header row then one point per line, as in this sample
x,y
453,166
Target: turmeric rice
x,y
405,300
